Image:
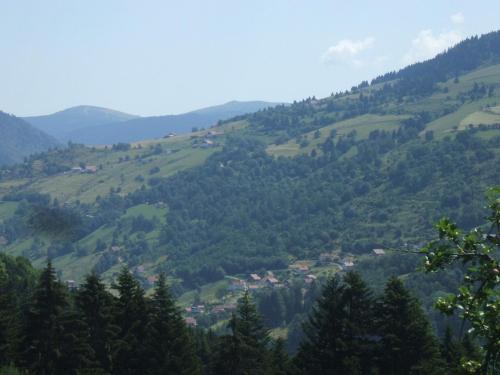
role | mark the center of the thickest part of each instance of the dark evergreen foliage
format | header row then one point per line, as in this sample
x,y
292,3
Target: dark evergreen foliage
x,y
55,340
339,333
408,345
131,317
95,306
169,347
244,351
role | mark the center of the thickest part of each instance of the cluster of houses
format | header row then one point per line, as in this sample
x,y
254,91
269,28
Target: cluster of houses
x,y
206,140
149,281
255,282
87,169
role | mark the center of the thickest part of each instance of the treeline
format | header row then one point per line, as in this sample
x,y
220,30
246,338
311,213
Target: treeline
x,y
48,329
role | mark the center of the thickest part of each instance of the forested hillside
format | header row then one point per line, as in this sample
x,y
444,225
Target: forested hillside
x,y
19,139
372,167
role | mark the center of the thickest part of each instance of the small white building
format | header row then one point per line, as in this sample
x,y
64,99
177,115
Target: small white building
x,y
379,252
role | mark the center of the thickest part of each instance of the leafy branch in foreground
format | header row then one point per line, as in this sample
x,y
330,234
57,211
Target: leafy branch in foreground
x,y
478,297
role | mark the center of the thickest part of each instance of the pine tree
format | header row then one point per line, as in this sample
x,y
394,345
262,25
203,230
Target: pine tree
x,y
54,341
337,335
169,346
408,345
77,356
95,306
244,351
318,352
280,361
8,315
360,345
16,285
130,356
204,343
451,351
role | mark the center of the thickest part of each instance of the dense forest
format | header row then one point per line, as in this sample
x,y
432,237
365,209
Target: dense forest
x,y
48,328
51,330
244,210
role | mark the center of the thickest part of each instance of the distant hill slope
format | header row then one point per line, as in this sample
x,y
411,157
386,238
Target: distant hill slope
x,y
62,123
157,126
19,139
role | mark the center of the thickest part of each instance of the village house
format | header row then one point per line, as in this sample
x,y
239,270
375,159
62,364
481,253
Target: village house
x,y
379,252
207,143
254,277
90,169
87,169
223,308
272,281
198,309
190,321
348,262
237,284
213,133
310,278
303,269
152,280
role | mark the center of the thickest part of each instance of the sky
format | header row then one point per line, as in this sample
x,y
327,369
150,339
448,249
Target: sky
x,y
156,57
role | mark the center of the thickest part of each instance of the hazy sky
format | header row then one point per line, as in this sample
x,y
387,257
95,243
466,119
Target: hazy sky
x,y
160,57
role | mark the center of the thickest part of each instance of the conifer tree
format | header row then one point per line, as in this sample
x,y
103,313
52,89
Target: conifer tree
x,y
408,345
16,286
8,316
169,346
130,354
244,351
280,361
95,306
451,351
54,341
337,335
77,356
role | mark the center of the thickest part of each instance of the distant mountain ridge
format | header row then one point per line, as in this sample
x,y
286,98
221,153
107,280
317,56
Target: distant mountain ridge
x,y
61,124
19,139
87,125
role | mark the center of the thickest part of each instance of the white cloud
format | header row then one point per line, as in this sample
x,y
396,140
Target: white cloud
x,y
427,45
347,50
457,18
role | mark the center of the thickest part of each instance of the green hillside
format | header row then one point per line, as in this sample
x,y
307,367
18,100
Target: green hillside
x,y
372,167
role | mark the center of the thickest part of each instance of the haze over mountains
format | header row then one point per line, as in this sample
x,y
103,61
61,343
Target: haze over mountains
x,y
62,123
94,125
